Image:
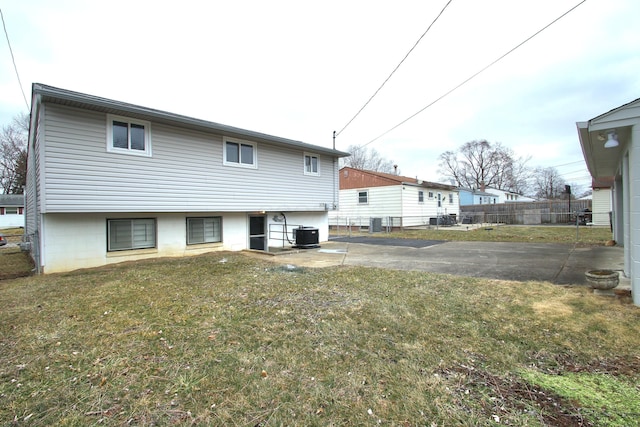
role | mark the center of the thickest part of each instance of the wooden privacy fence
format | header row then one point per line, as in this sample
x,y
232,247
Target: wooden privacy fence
x,y
528,213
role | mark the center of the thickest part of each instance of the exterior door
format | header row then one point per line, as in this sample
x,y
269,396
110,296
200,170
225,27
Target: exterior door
x,y
257,232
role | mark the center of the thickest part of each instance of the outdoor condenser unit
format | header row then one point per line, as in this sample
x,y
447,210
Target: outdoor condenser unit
x,y
307,237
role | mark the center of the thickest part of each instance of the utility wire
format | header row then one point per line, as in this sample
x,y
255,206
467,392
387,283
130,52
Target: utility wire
x,y
13,60
567,164
476,74
395,69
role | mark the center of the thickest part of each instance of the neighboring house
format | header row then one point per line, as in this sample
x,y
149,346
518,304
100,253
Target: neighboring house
x,y
11,210
611,147
406,201
469,196
109,181
601,200
508,196
489,196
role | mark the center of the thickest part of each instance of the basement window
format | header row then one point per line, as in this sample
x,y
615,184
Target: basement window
x,y
126,234
204,230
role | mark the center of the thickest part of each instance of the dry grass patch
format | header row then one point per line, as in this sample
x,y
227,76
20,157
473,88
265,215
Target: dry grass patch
x,y
592,235
226,339
552,308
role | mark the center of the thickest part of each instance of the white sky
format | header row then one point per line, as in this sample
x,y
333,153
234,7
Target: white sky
x,y
302,69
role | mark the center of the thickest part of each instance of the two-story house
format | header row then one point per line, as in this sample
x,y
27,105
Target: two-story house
x,y
400,201
109,181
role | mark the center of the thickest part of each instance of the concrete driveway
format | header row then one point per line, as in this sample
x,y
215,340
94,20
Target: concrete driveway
x,y
556,263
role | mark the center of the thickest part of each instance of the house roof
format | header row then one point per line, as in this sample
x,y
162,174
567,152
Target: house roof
x,y
45,93
11,200
368,178
601,161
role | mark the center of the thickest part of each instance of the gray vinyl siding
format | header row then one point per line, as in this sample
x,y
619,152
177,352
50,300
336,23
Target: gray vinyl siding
x,y
32,209
184,174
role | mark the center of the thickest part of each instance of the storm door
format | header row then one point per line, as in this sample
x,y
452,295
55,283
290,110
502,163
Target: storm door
x,y
257,232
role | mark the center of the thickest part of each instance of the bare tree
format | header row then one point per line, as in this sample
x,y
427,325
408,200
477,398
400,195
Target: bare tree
x,y
13,154
364,158
478,164
548,184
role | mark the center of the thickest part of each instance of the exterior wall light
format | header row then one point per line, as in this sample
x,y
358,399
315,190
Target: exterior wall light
x,y
612,140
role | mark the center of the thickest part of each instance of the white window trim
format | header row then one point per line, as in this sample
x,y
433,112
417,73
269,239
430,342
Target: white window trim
x,y
304,164
147,136
421,192
239,164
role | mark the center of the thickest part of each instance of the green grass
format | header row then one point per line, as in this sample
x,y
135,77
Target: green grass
x,y
245,342
593,235
609,401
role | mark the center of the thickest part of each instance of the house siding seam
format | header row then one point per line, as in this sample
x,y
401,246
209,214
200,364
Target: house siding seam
x,y
186,167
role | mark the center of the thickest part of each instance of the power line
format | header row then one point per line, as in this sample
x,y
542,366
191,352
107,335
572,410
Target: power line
x,y
13,60
395,69
568,164
576,171
476,74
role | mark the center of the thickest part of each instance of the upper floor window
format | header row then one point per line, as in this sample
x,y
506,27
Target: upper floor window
x,y
420,196
126,135
363,197
239,153
311,164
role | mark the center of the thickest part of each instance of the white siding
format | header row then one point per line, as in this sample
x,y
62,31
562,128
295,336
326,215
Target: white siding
x,y
633,191
601,205
185,172
416,213
383,202
11,220
395,201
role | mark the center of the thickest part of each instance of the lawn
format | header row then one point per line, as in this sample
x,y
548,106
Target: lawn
x,y
227,339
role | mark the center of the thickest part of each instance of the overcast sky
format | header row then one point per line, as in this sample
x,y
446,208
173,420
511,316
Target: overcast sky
x,y
302,69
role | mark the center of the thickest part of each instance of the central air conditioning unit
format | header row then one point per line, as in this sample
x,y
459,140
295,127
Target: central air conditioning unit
x,y
307,237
